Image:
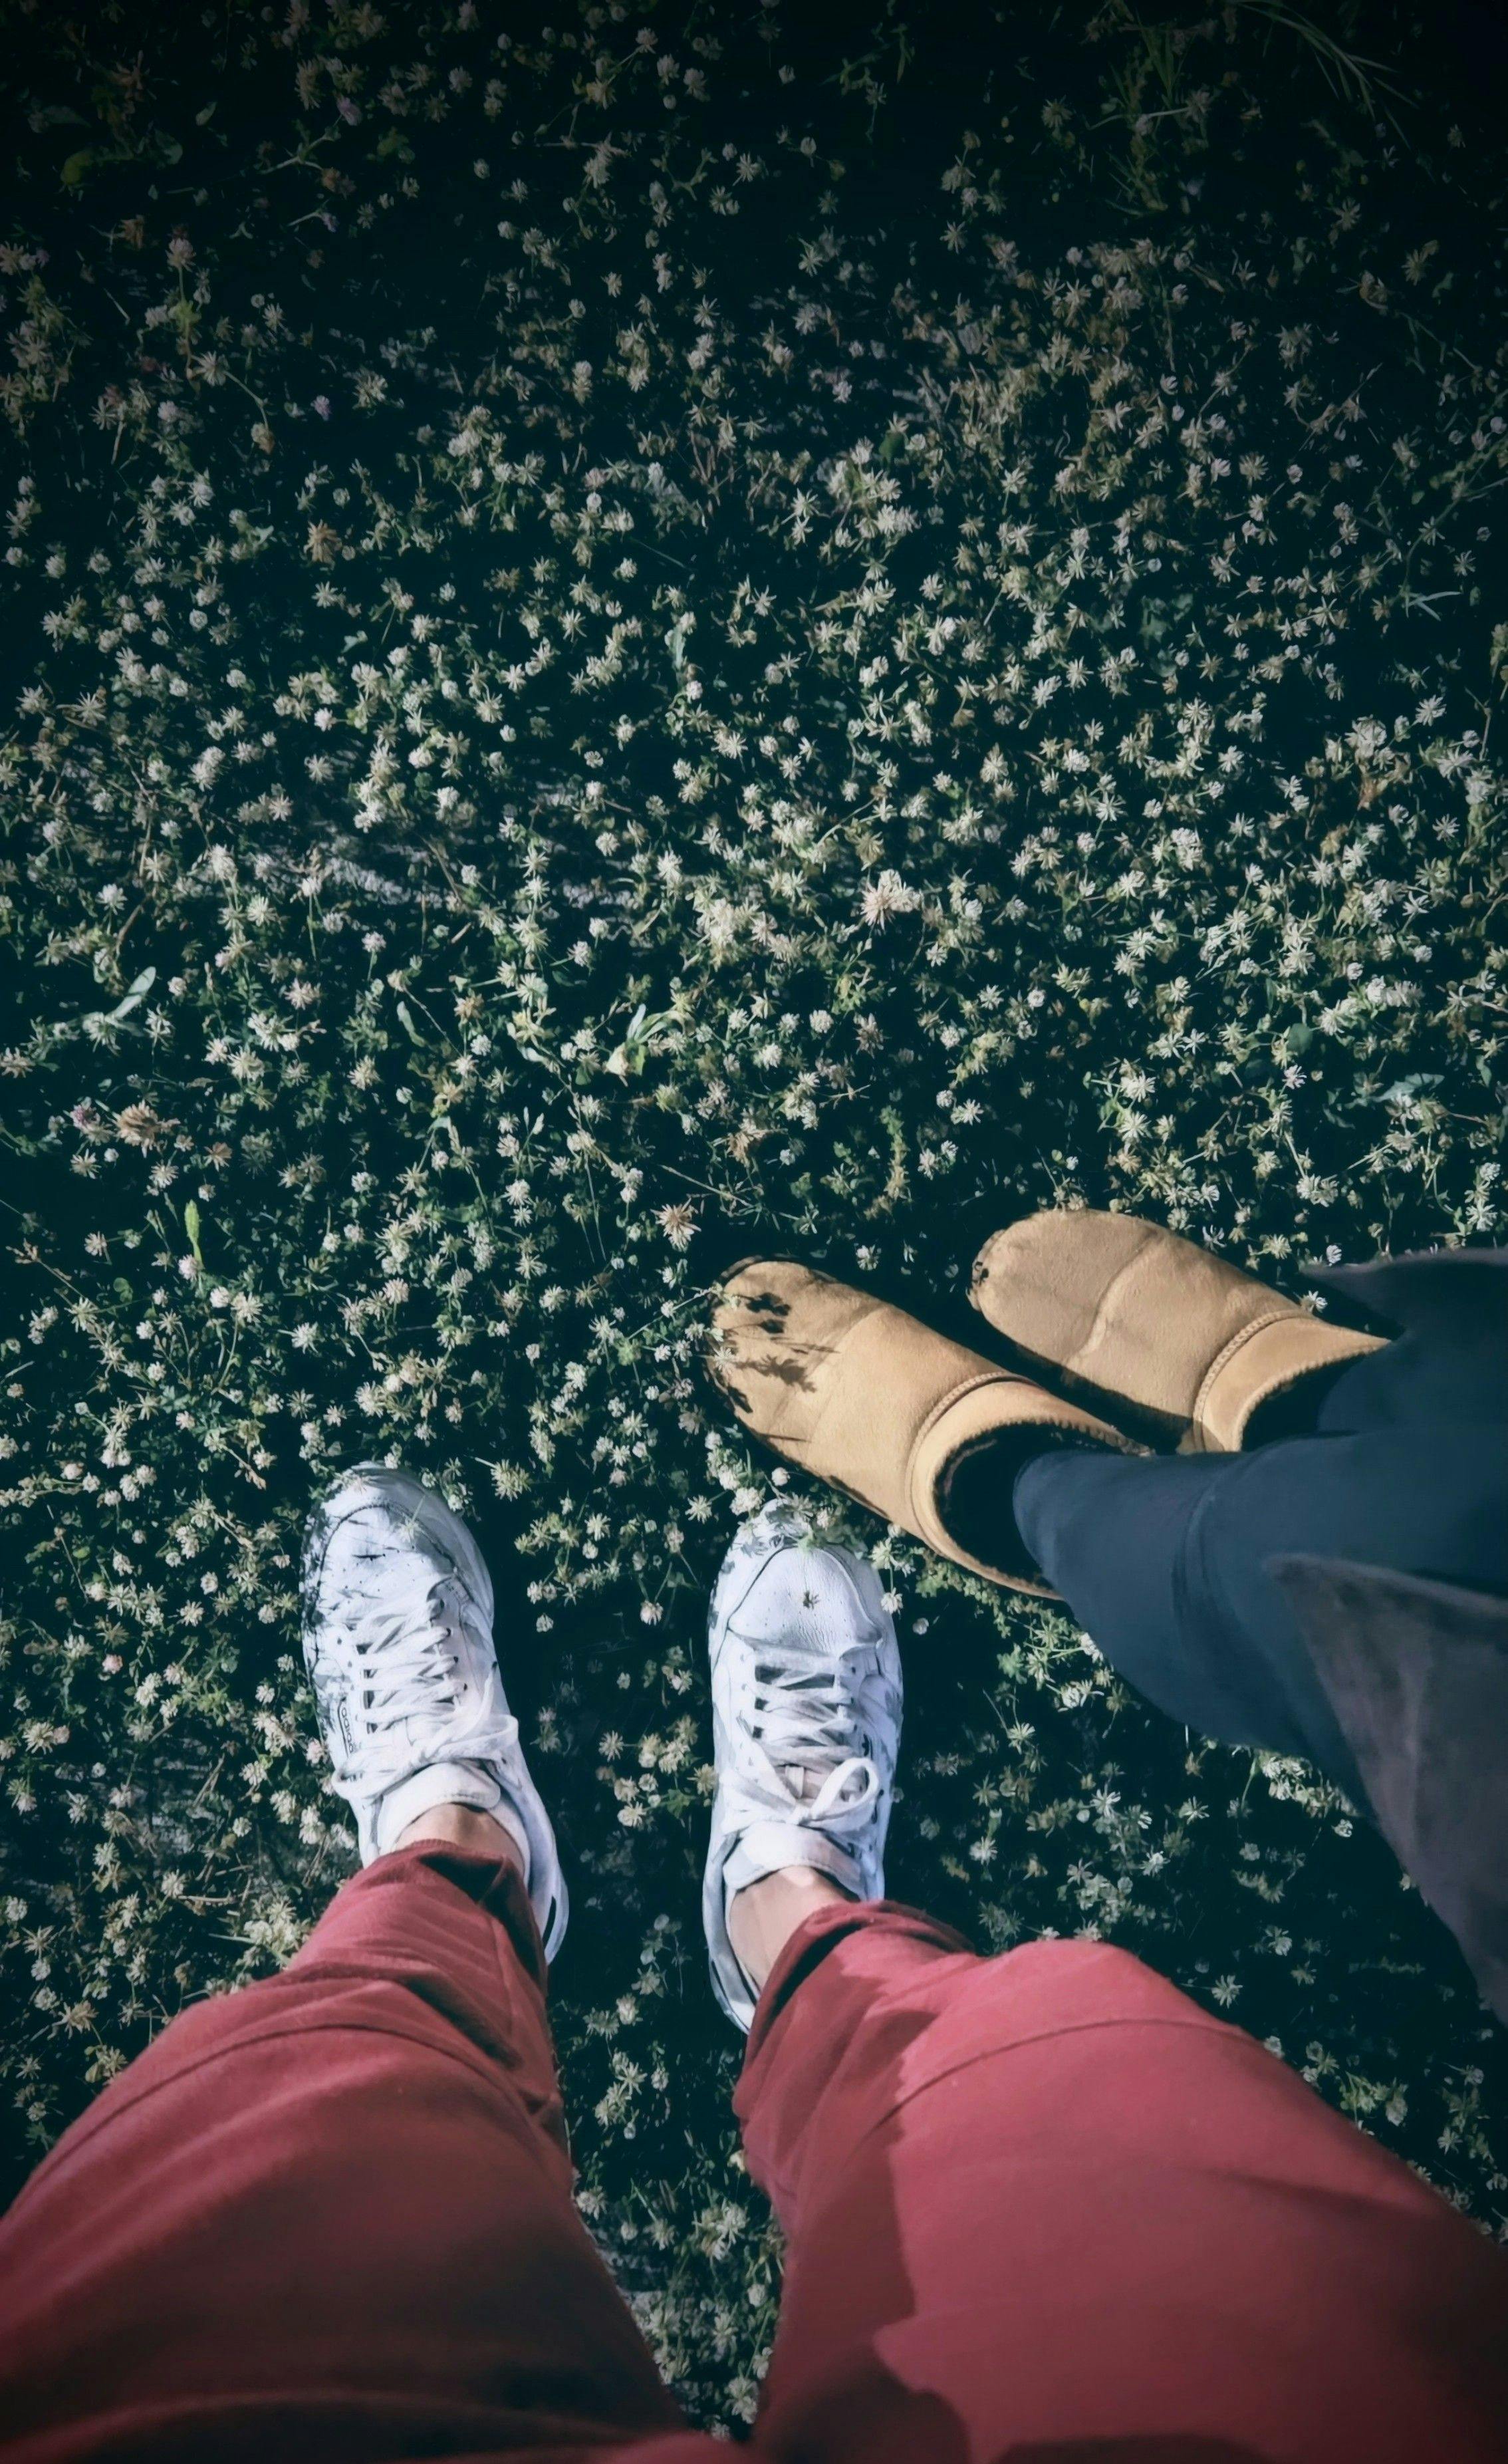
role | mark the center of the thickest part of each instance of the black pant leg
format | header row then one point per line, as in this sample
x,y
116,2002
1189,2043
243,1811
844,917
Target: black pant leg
x,y
1430,1377
1164,1561
1111,1534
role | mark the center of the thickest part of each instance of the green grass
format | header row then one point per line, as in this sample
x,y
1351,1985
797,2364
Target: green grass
x,y
606,687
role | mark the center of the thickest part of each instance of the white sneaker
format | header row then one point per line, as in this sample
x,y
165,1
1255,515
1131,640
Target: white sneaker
x,y
806,1723
398,1642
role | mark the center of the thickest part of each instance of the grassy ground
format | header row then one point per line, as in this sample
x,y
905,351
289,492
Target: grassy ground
x,y
644,638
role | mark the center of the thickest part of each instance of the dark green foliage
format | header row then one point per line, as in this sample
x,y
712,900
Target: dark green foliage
x,y
626,657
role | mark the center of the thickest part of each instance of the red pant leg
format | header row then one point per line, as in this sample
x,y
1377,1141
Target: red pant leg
x,y
1042,2201
329,2216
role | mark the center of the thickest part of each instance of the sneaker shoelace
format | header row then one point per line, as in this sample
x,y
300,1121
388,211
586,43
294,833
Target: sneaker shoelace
x,y
812,1719
408,1646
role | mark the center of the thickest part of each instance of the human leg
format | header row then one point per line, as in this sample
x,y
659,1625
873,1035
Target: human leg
x,y
1115,1549
1164,1561
1042,2205
330,2216
1432,1377
1386,1453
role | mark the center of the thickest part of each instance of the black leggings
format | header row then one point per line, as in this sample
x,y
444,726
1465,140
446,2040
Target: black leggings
x,y
1162,1560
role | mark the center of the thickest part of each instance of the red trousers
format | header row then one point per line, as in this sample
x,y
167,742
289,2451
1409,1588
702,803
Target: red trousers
x,y
1037,2207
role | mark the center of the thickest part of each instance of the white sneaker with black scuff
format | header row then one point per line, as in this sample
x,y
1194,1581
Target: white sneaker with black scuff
x,y
806,1725
398,1642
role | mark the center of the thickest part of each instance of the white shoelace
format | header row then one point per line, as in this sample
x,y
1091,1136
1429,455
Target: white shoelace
x,y
807,1717
408,1657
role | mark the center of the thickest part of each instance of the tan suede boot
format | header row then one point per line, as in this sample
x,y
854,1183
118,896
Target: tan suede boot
x,y
881,1406
1120,1311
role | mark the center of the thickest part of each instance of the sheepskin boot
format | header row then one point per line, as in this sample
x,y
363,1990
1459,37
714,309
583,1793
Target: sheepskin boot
x,y
1156,1331
880,1407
